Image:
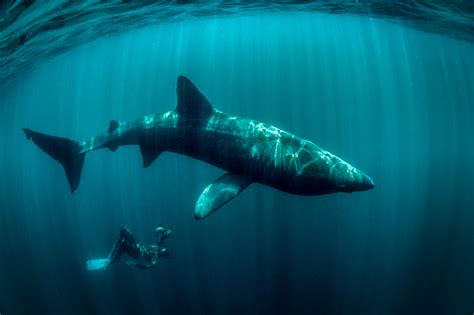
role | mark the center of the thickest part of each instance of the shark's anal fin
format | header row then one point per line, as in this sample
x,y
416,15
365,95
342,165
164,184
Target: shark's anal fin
x,y
149,153
191,102
113,147
220,192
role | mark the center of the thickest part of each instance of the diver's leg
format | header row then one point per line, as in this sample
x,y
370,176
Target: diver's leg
x,y
125,243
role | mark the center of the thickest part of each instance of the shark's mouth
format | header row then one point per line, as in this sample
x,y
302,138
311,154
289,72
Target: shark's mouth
x,y
30,29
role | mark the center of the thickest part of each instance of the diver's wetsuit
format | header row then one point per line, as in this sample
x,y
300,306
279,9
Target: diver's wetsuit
x,y
143,256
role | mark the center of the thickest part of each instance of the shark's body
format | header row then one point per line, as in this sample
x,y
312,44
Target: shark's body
x,y
250,151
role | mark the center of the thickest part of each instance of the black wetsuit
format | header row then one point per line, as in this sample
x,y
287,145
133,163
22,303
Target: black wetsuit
x,y
143,256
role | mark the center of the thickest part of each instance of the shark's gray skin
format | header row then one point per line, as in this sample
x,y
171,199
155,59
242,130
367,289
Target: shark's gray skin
x,y
250,151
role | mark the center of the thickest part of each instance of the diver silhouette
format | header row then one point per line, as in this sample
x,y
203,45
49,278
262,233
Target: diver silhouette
x,y
142,256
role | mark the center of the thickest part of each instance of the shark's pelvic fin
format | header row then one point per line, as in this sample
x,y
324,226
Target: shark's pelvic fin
x,y
149,154
220,192
191,102
65,151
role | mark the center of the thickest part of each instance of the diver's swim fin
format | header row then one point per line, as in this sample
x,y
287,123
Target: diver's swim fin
x,y
98,264
63,150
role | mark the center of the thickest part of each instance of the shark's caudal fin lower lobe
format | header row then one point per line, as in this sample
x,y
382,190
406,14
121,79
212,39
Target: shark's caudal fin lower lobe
x,y
65,151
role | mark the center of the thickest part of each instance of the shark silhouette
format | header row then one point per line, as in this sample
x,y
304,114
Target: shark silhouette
x,y
250,151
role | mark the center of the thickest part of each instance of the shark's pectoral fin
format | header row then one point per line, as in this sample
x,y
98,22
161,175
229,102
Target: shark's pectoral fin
x,y
149,154
220,192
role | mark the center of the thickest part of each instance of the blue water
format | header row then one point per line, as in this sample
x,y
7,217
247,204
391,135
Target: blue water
x,y
395,102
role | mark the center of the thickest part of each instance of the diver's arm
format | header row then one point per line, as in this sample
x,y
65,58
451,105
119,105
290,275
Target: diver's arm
x,y
162,233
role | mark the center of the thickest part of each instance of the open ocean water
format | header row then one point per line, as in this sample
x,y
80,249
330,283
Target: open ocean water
x,y
392,94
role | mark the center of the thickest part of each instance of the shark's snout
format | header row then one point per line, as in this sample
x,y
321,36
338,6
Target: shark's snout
x,y
366,183
349,179
359,182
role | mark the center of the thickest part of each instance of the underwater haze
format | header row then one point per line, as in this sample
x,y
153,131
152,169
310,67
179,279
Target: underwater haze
x,y
395,102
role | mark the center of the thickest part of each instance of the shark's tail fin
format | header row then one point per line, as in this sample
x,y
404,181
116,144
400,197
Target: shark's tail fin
x,y
65,151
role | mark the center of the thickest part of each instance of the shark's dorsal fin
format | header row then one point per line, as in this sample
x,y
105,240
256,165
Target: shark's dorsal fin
x,y
191,102
149,154
220,192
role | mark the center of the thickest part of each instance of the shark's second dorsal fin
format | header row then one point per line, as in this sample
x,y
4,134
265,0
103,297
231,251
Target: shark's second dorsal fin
x,y
191,102
113,126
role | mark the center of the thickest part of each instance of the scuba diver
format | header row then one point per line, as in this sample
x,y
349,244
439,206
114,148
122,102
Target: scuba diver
x,y
142,256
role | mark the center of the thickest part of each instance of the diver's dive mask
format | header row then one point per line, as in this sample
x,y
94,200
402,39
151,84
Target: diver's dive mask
x,y
162,231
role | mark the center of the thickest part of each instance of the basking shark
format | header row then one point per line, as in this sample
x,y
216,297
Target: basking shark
x,y
250,151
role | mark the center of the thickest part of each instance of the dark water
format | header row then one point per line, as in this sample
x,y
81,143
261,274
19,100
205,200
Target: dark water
x,y
393,101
